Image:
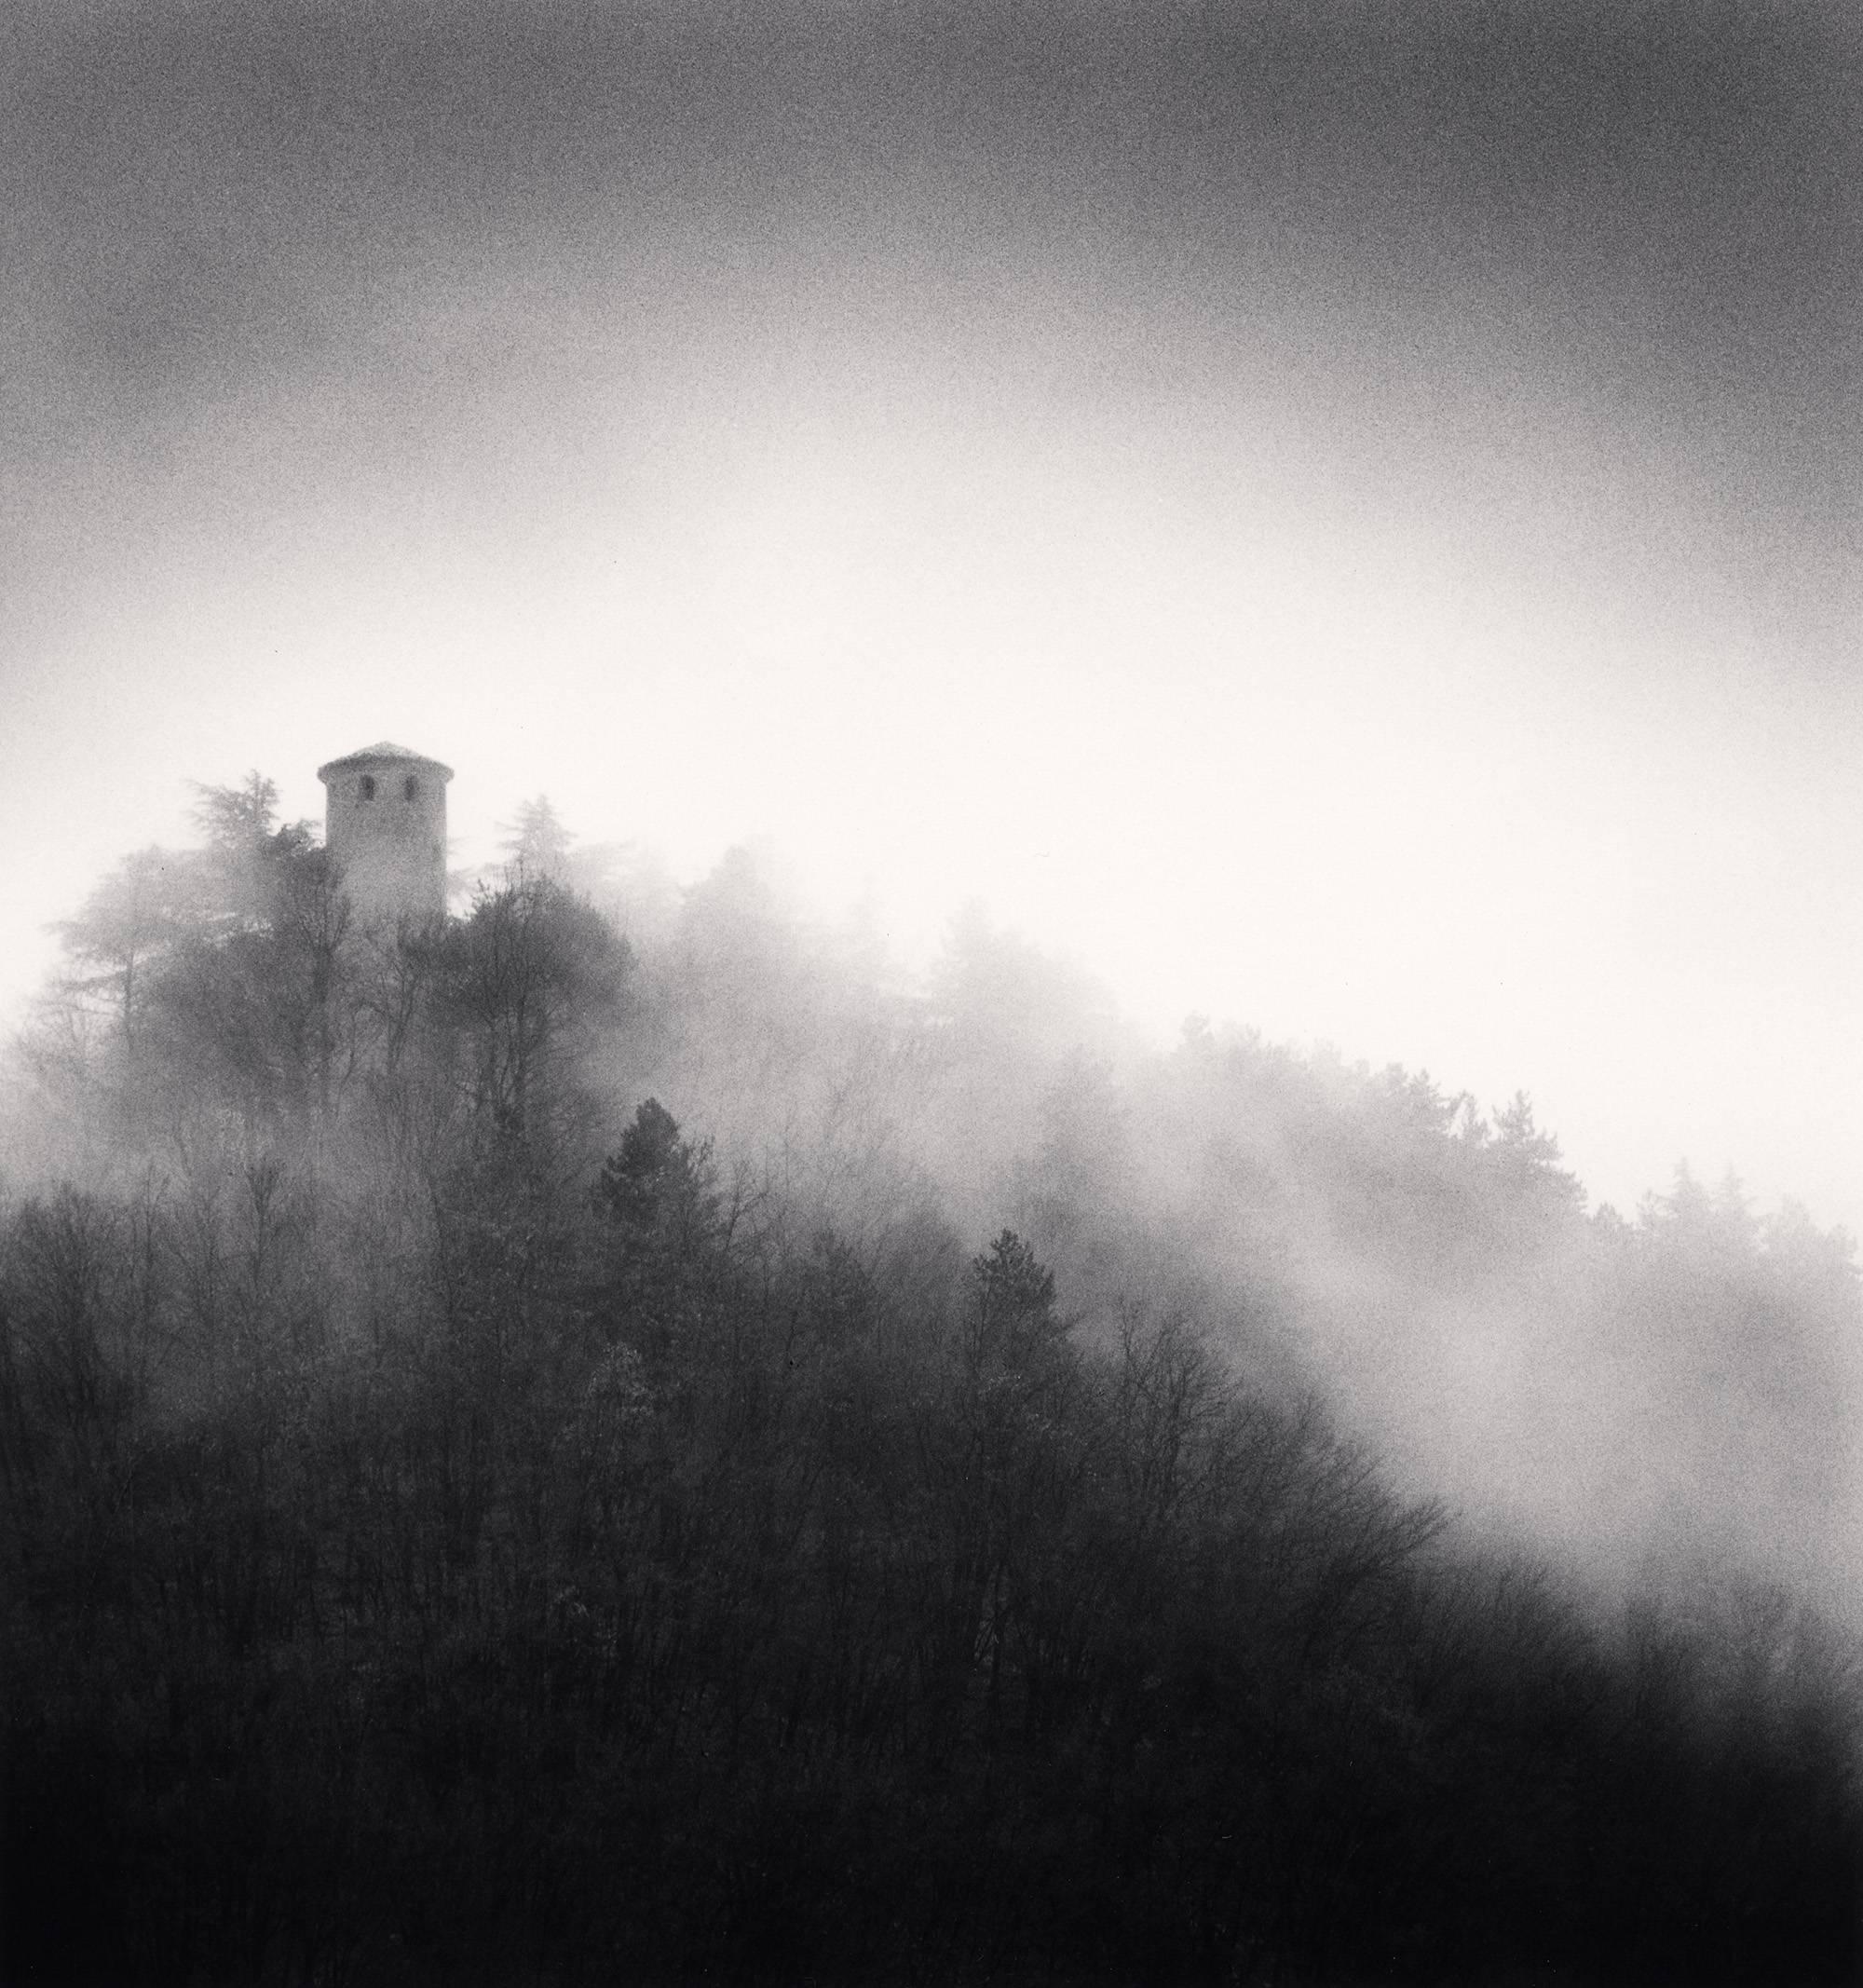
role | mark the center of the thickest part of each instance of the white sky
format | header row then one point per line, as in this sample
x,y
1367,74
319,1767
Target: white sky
x,y
1238,749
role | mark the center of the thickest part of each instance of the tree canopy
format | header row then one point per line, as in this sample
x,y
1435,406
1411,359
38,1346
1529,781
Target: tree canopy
x,y
533,1450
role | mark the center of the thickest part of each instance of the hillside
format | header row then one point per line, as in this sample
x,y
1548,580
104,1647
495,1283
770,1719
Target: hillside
x,y
615,1436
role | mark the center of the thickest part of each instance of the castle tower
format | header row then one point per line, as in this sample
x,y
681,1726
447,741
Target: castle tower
x,y
384,822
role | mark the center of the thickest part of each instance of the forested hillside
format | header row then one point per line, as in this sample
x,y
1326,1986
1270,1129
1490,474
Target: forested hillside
x,y
614,1438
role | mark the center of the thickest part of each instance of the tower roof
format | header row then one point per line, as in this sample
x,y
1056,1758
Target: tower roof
x,y
384,752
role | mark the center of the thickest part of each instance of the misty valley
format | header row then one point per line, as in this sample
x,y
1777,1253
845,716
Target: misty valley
x,y
615,1435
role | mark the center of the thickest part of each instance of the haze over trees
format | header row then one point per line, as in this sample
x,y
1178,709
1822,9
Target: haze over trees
x,y
614,1437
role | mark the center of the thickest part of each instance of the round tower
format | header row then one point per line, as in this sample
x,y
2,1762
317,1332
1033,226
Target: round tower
x,y
384,822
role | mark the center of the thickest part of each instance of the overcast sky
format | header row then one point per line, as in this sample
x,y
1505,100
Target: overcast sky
x,y
1345,517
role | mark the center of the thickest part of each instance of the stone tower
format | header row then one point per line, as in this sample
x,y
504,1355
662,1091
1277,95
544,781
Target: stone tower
x,y
384,822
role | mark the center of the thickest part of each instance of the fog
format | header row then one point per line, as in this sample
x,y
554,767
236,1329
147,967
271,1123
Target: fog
x,y
1616,1391
1681,1382
1346,528
1145,1028
580,1315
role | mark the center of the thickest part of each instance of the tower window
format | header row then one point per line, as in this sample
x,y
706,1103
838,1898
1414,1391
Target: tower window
x,y
411,788
367,786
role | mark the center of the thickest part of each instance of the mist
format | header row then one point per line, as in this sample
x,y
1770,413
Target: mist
x,y
408,1241
1173,1059
1676,1381
1063,460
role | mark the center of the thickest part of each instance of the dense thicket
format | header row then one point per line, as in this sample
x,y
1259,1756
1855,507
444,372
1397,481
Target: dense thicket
x,y
459,1526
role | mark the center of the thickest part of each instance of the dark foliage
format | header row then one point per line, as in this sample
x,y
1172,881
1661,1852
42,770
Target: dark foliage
x,y
449,1536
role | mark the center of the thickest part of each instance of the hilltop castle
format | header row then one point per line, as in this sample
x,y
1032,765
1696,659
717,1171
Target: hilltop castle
x,y
384,822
